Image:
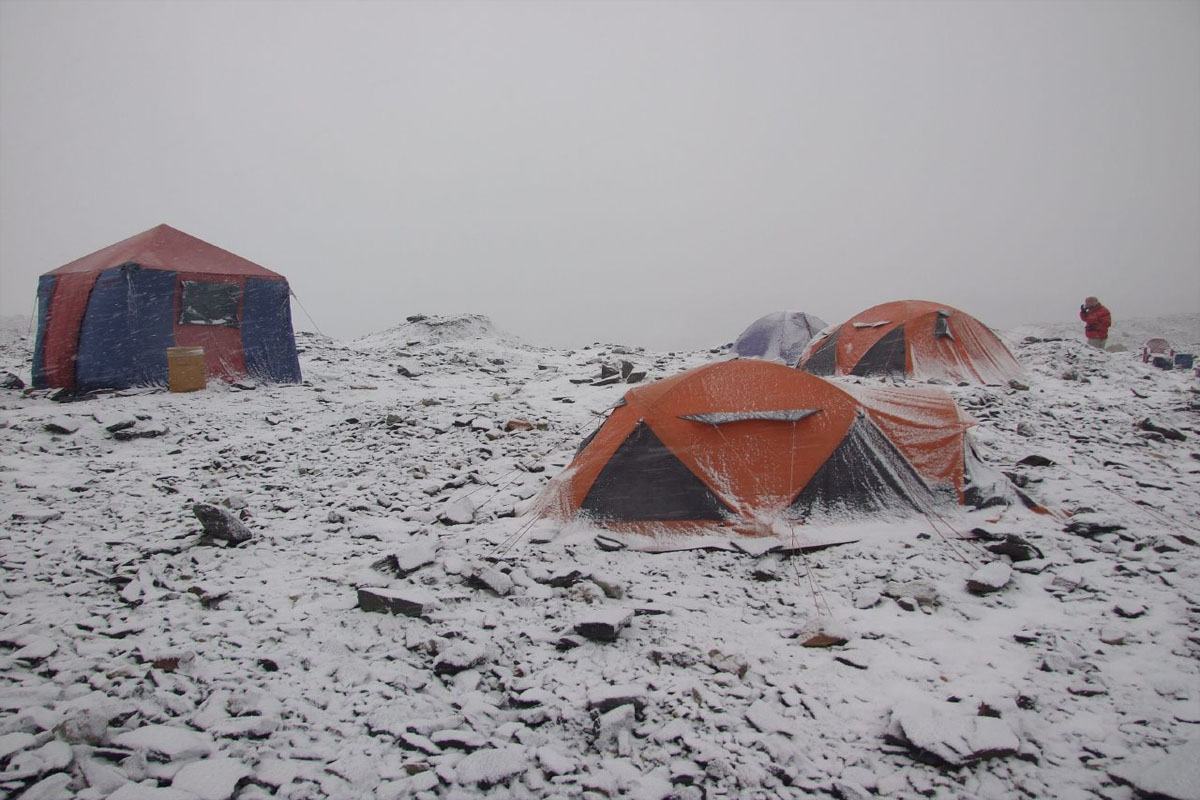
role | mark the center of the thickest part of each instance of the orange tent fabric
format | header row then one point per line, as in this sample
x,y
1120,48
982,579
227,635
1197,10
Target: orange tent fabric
x,y
914,339
738,446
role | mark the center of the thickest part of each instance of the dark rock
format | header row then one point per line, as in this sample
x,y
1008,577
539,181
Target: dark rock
x,y
607,371
636,377
1015,548
626,370
607,381
408,602
220,523
1167,433
10,381
823,639
1036,461
604,625
149,431
1017,385
1092,528
61,425
563,580
567,643
609,544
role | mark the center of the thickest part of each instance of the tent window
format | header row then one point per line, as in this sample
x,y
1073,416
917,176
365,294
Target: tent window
x,y
208,303
942,326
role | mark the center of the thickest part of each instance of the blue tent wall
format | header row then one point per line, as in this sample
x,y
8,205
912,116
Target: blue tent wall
x,y
268,344
126,330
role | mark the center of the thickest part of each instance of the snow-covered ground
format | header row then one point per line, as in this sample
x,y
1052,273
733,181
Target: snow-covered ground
x,y
138,660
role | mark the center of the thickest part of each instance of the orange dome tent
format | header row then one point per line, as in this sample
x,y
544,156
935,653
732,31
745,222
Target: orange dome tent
x,y
914,339
749,447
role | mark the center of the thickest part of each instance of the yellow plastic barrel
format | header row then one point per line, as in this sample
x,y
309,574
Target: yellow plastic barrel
x,y
185,369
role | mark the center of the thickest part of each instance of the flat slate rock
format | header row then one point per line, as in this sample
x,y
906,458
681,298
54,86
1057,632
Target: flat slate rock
x,y
603,625
943,733
409,602
1173,775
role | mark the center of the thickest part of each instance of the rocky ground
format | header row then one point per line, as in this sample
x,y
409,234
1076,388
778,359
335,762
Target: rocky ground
x,y
377,619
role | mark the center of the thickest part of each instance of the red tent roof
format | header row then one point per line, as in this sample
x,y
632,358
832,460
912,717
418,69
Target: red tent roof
x,y
163,247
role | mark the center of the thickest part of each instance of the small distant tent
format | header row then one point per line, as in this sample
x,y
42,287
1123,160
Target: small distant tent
x,y
780,336
749,448
912,339
105,321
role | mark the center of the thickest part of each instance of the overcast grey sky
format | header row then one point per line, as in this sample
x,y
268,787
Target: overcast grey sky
x,y
653,173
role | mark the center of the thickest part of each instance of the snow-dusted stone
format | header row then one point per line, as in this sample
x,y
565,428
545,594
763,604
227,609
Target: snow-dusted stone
x,y
763,716
1090,524
553,762
409,601
52,787
147,791
144,430
913,593
949,734
458,512
409,368
211,778
491,766
1174,775
482,424
407,559
562,579
614,729
458,657
1113,636
31,763
167,741
61,425
221,523
604,624
15,742
767,569
728,662
866,598
1016,548
113,421
36,649
86,724
989,578
492,580
11,381
458,739
606,698
1129,609
35,515
531,698
609,585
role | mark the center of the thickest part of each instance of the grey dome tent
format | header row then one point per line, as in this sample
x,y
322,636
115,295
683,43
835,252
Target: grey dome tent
x,y
780,336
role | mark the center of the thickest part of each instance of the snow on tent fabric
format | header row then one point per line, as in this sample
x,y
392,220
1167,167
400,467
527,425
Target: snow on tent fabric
x,y
751,448
912,339
780,336
105,321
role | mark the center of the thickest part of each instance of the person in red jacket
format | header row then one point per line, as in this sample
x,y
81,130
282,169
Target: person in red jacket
x,y
1096,322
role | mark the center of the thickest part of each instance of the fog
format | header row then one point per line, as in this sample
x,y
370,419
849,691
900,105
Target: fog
x,y
650,173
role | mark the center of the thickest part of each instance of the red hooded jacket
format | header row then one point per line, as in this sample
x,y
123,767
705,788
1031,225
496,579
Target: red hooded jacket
x,y
1096,321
